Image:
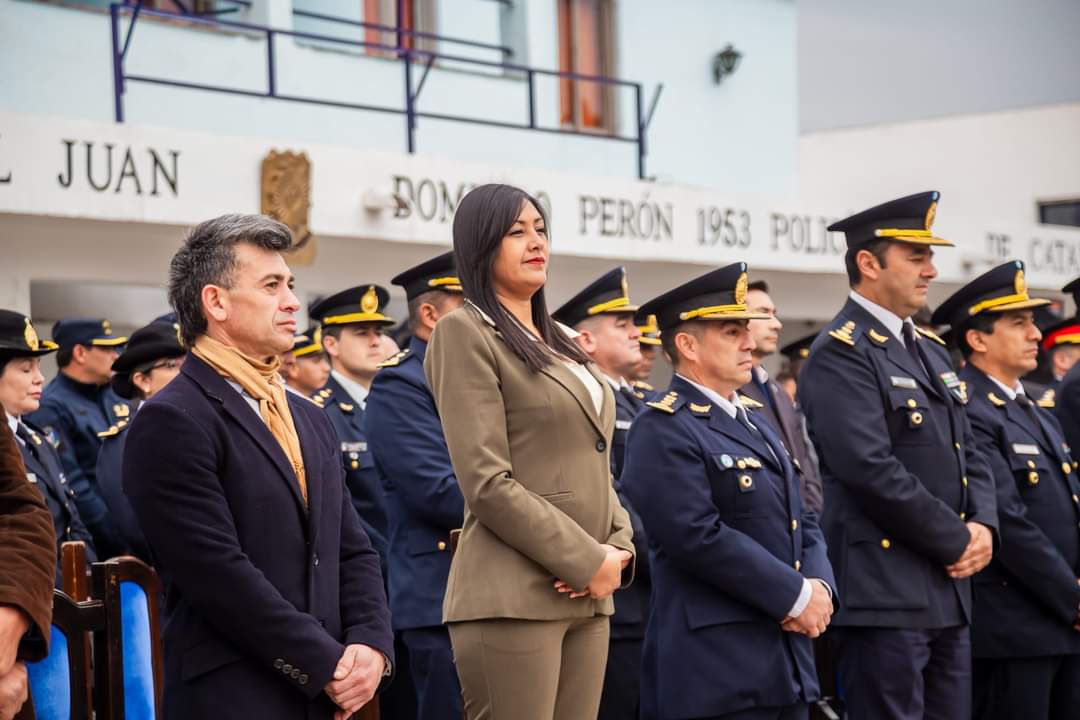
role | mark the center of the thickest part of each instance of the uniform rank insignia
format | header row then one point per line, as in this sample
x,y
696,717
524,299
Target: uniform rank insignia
x,y
995,400
749,402
1047,399
346,407
927,333
843,333
121,410
694,407
665,403
396,359
877,337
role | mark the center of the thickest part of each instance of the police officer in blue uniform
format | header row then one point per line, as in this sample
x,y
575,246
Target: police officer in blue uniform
x,y
604,318
740,575
352,324
152,357
909,500
649,342
423,500
306,369
76,406
20,384
1026,619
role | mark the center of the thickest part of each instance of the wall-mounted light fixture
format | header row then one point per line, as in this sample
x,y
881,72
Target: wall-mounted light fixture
x,y
725,63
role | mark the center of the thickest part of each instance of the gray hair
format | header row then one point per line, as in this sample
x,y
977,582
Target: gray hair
x,y
208,257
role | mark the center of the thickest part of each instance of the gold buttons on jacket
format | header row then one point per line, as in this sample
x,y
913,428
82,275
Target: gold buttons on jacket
x,y
911,403
794,525
963,516
1031,464
1076,499
1033,477
916,418
798,565
354,464
442,545
956,445
885,543
1066,467
746,482
964,480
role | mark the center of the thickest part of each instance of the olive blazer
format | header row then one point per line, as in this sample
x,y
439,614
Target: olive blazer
x,y
531,455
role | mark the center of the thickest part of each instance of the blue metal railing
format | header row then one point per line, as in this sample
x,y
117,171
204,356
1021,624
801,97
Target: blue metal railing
x,y
121,44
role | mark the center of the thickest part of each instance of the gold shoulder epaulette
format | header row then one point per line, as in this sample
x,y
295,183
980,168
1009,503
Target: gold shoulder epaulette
x,y
665,403
995,400
750,402
843,333
877,337
113,430
642,385
1048,399
391,362
927,333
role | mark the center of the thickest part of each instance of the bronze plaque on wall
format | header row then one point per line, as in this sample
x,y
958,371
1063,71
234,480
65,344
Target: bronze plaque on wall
x,y
286,197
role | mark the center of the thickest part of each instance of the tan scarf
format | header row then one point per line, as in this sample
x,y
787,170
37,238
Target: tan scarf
x,y
261,381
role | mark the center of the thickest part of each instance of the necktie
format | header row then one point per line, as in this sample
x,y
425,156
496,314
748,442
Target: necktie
x,y
908,333
23,433
1029,407
744,420
766,393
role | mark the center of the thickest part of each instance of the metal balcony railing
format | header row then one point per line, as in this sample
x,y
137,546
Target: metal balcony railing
x,y
408,56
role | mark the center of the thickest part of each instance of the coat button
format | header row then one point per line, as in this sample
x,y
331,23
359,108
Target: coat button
x,y
1066,467
794,525
354,464
278,663
286,668
442,545
302,679
964,480
294,674
885,543
1076,499
1031,464
601,446
911,403
956,445
963,516
315,561
1033,477
798,565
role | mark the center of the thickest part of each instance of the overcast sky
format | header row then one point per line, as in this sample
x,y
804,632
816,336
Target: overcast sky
x,y
868,62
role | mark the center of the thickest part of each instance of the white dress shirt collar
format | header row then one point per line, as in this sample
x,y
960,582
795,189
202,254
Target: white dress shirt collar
x,y
1010,392
731,405
355,390
892,322
12,421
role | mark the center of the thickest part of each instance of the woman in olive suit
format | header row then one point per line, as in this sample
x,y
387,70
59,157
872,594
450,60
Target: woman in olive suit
x,y
528,422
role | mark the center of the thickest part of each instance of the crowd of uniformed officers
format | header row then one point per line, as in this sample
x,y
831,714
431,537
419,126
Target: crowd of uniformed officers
x,y
910,515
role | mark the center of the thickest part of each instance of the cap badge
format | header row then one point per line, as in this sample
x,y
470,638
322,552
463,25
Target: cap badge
x,y
31,336
369,303
106,327
1021,283
740,289
625,286
930,214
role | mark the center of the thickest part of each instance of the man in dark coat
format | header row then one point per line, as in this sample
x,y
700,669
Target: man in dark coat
x,y
775,404
909,499
1026,619
274,605
28,559
423,500
740,576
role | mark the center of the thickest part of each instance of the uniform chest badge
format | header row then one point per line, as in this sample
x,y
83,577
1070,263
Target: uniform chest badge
x,y
31,478
726,461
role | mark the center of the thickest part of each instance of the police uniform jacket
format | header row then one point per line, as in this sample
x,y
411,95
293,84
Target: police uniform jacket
x,y
632,603
27,550
531,455
423,500
262,590
361,477
901,471
71,416
44,471
1027,598
110,482
730,546
1067,406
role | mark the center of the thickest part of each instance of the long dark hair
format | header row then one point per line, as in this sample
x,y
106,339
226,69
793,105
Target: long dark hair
x,y
483,218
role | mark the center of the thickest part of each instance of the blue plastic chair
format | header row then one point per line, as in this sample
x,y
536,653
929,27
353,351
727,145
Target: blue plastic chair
x,y
60,683
128,663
